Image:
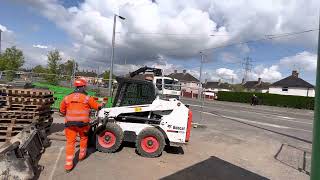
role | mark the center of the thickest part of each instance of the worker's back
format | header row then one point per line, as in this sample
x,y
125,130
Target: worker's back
x,y
76,107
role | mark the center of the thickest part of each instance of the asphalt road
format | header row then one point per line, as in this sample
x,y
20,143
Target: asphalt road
x,y
294,125
236,142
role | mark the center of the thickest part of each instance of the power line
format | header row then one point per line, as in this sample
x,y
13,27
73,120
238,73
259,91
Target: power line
x,y
172,34
267,37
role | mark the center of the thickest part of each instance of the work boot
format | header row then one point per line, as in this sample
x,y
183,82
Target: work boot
x,y
82,154
68,167
69,164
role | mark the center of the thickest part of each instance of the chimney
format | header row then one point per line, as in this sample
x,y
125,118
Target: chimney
x,y
175,71
219,82
184,71
243,81
259,81
295,73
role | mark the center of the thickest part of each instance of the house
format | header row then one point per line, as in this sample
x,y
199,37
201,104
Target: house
x,y
189,84
292,85
216,86
256,86
212,88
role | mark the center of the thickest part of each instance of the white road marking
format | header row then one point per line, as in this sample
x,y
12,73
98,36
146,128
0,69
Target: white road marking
x,y
256,122
285,117
276,117
56,163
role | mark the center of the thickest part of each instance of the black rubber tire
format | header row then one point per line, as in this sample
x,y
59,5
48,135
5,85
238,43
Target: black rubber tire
x,y
151,131
117,131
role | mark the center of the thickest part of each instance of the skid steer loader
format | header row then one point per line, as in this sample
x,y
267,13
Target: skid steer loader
x,y
139,115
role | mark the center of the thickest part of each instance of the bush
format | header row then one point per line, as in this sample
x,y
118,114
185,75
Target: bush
x,y
299,102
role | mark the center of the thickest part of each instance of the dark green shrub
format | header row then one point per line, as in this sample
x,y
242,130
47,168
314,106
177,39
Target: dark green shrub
x,y
299,102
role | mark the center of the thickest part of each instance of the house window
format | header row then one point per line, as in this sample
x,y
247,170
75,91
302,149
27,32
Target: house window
x,y
285,89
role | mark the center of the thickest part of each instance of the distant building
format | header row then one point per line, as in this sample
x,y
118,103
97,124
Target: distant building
x,y
292,85
212,88
189,84
256,86
90,76
216,86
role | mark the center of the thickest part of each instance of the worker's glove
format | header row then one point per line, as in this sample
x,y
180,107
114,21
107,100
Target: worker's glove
x,y
102,105
61,114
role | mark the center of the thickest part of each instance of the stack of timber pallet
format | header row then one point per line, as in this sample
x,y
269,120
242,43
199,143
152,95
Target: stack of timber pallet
x,y
21,107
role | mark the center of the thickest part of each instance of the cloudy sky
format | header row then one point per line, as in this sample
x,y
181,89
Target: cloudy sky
x,y
169,34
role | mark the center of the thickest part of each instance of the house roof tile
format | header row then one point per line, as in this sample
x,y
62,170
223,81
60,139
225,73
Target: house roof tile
x,y
292,81
184,77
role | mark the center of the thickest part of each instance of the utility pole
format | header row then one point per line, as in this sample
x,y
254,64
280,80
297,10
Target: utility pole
x,y
247,65
0,40
112,51
315,162
200,77
112,54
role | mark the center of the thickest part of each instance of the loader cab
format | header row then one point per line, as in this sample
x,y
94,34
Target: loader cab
x,y
134,92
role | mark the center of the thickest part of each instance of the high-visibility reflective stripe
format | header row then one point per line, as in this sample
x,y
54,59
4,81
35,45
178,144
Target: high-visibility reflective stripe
x,y
78,112
69,157
70,118
69,162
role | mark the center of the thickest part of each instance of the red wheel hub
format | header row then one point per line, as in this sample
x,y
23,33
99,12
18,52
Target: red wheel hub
x,y
150,144
107,139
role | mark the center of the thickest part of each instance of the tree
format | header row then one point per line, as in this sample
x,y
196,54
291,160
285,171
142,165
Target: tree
x,y
54,59
39,69
238,88
67,68
11,60
106,75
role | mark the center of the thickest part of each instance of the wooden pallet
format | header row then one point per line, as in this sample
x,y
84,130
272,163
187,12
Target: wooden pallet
x,y
23,107
7,132
9,128
27,100
25,115
26,92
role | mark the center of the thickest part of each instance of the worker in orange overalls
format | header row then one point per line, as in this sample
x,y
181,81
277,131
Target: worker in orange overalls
x,y
76,108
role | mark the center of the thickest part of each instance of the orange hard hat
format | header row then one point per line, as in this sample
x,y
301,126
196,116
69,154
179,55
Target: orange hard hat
x,y
80,82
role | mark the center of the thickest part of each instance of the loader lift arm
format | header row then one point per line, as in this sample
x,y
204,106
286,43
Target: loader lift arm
x,y
155,71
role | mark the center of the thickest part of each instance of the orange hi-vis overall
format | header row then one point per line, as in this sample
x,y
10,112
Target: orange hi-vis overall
x,y
76,109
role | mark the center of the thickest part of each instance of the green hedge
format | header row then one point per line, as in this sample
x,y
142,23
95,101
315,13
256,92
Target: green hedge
x,y
299,102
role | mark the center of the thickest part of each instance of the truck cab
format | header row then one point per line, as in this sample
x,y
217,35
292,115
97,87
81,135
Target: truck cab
x,y
167,87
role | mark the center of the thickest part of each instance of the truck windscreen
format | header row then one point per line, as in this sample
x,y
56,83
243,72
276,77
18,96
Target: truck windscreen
x,y
172,85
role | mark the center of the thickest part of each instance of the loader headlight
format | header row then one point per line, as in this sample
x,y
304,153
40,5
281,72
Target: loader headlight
x,y
178,104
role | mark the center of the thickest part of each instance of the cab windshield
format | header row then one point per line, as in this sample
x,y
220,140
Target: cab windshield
x,y
171,84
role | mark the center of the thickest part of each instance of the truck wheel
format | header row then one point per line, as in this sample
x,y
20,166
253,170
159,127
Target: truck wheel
x,y
150,143
109,139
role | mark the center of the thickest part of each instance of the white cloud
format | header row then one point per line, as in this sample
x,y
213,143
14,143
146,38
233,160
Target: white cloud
x,y
3,28
302,61
40,46
7,37
225,73
267,74
90,27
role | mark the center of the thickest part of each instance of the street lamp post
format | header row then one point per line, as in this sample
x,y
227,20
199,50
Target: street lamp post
x,y
315,162
112,51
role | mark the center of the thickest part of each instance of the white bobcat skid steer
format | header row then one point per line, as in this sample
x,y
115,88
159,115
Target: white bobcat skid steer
x,y
139,116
